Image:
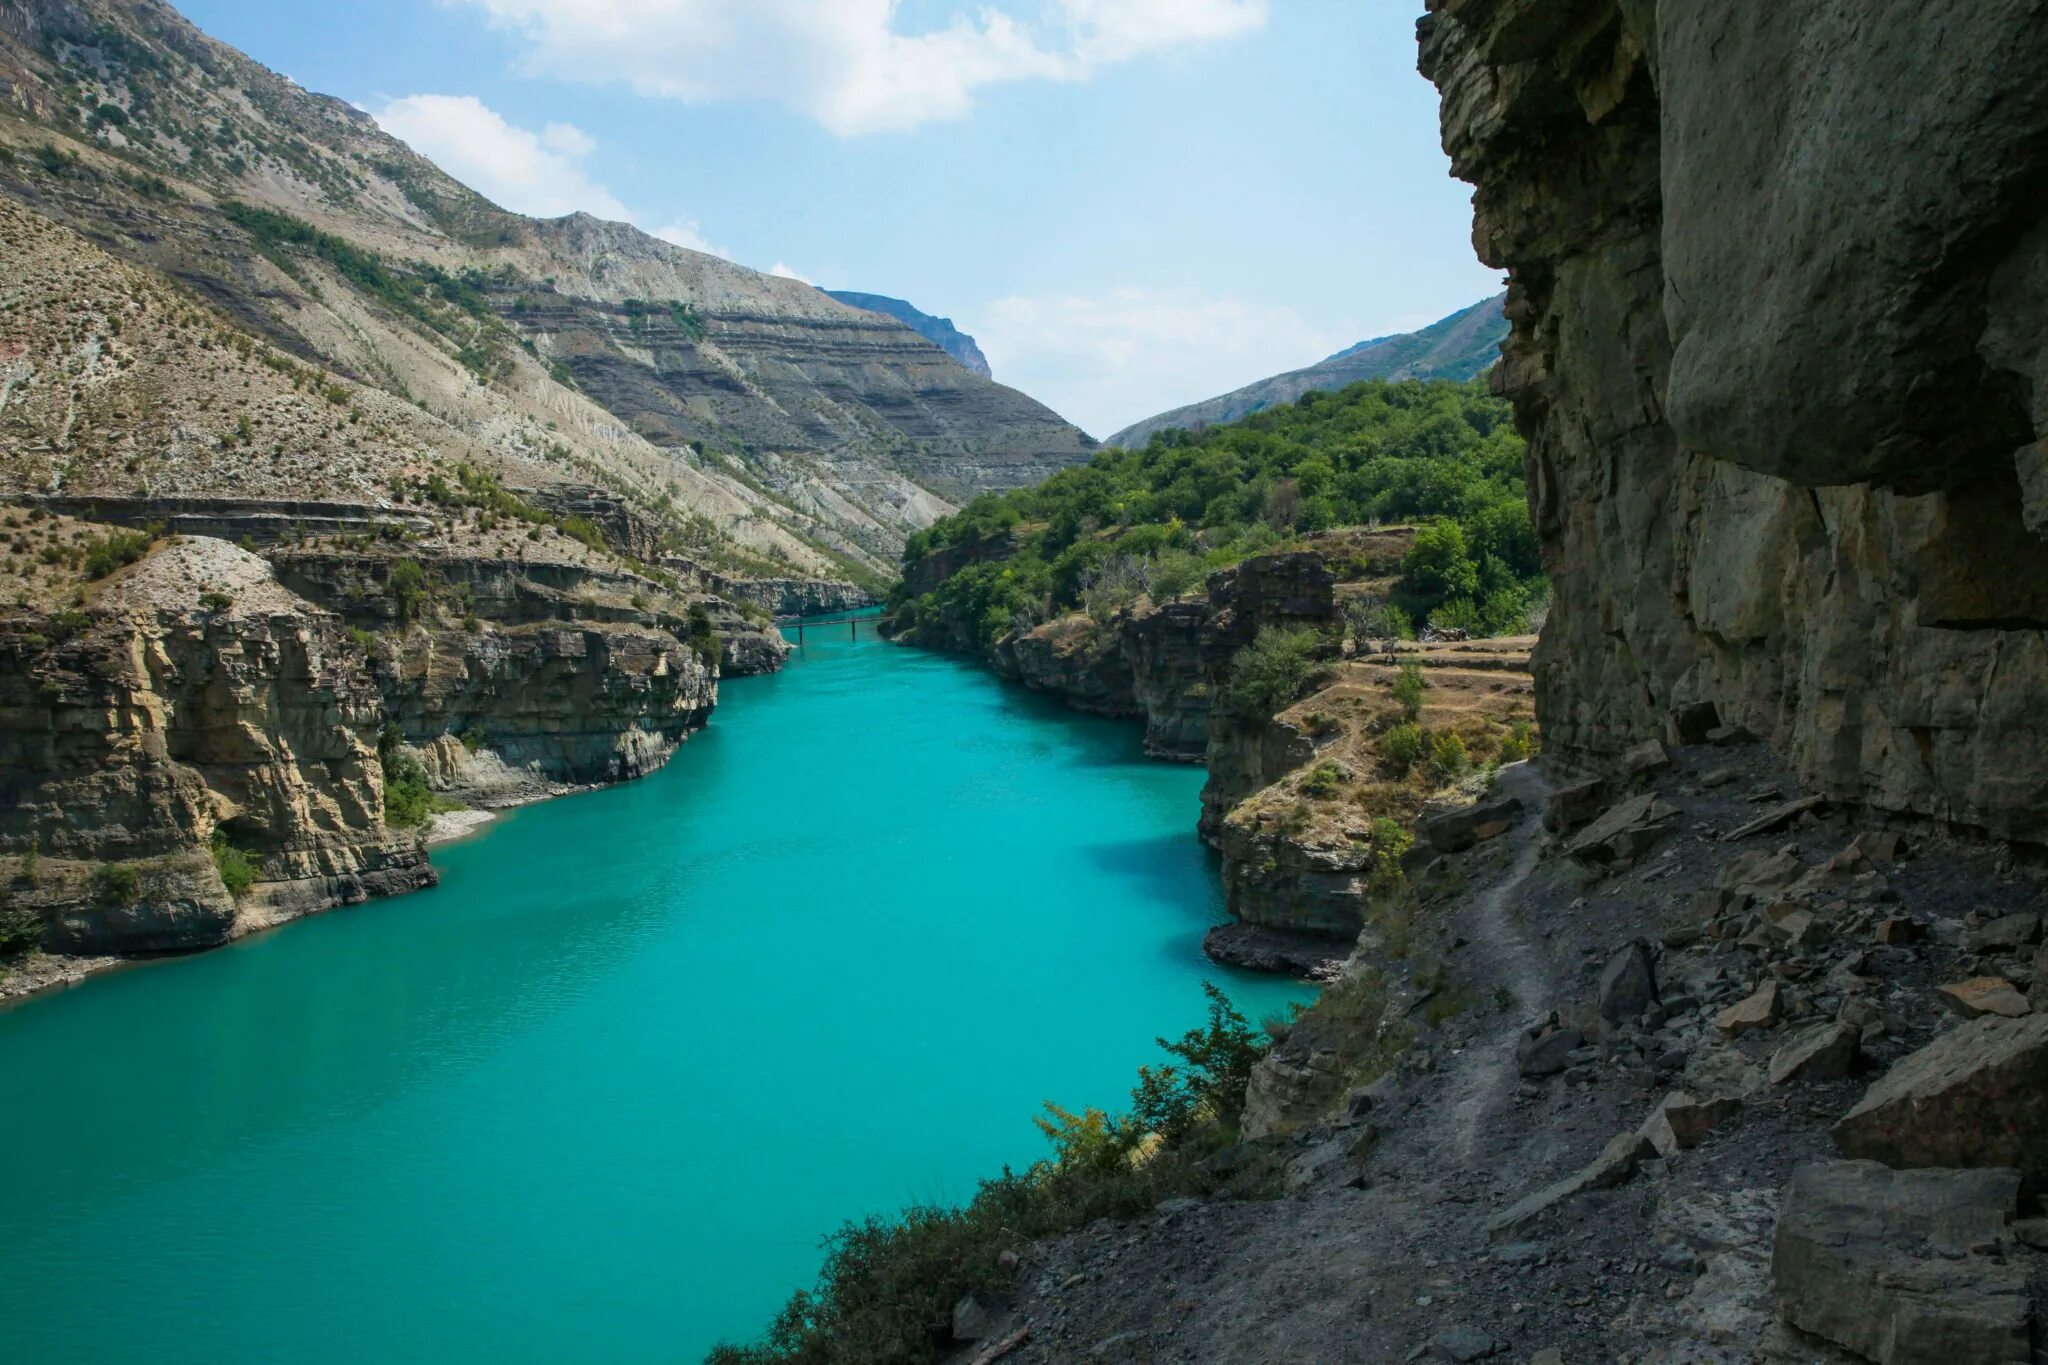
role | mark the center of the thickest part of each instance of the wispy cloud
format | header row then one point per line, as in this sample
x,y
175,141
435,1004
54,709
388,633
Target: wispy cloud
x,y
538,173
534,173
847,63
1109,360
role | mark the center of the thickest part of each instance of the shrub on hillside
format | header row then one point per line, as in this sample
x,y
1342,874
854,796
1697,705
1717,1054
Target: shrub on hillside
x,y
1401,747
115,550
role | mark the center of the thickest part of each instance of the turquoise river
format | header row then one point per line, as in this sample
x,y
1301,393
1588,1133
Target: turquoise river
x,y
597,1097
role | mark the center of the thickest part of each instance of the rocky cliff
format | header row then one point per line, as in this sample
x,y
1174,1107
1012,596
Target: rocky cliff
x,y
1793,470
1293,791
192,701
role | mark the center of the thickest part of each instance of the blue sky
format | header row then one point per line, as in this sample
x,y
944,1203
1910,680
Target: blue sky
x,y
1132,203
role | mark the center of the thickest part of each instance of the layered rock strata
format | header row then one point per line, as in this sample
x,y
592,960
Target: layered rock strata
x,y
136,733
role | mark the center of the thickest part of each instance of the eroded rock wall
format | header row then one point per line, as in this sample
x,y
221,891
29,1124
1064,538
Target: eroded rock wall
x,y
132,733
567,675
1780,361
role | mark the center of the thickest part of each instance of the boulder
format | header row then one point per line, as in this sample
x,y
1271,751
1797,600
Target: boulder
x,y
1775,818
2004,934
1903,1267
1574,804
1762,1008
977,1313
1462,1345
1545,1053
1646,759
1681,1122
1760,876
1628,983
1982,995
1621,836
1692,723
1898,930
1455,830
1975,1096
1824,1053
1615,1164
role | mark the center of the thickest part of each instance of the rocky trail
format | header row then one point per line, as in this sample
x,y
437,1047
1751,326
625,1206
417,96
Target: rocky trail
x,y
1625,1142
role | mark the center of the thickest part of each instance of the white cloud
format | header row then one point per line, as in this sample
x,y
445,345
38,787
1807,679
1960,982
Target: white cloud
x,y
533,173
1107,361
788,274
686,233
845,63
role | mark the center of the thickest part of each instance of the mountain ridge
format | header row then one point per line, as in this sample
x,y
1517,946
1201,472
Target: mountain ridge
x,y
939,331
1461,346
830,426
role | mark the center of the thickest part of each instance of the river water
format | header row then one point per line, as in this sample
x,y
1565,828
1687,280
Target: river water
x,y
598,1095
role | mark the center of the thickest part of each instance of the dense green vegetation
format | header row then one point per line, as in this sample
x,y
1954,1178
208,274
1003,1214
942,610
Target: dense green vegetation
x,y
1158,520
889,1284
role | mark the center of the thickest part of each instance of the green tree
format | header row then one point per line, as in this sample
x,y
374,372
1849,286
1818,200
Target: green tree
x,y
1269,673
408,588
1439,565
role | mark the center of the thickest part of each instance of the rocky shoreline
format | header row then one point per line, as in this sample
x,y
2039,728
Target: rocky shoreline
x,y
209,746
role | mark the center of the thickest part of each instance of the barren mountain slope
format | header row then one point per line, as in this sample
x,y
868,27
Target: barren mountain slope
x,y
780,415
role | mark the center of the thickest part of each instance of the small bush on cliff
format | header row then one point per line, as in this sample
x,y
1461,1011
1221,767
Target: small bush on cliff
x,y
1270,672
238,868
1448,757
703,636
116,884
408,801
1325,780
407,587
889,1284
1520,743
21,931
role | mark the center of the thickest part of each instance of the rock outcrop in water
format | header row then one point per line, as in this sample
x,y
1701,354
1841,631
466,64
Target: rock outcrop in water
x,y
1781,362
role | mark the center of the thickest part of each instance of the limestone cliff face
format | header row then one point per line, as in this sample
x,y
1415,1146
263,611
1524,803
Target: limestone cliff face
x,y
1077,660
1782,365
1248,753
555,674
132,732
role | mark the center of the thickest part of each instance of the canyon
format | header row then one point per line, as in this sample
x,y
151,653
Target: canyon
x,y
285,409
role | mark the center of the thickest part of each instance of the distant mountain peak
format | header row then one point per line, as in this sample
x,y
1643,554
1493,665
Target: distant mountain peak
x,y
939,331
1461,346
